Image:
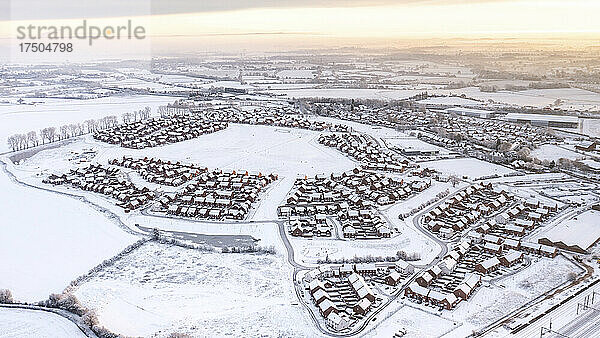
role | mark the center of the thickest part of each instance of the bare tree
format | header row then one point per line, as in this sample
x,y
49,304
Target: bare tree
x,y
89,125
126,117
147,112
51,134
64,132
73,129
32,138
13,142
6,296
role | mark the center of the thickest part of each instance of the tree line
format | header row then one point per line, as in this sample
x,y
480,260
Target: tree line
x,y
52,134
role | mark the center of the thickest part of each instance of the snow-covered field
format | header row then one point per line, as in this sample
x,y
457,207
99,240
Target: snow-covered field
x,y
48,240
24,323
161,289
284,151
552,152
570,98
470,167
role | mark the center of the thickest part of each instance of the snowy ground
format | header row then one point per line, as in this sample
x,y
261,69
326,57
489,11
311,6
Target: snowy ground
x,y
571,98
308,251
160,289
31,323
287,152
470,167
553,152
416,323
49,239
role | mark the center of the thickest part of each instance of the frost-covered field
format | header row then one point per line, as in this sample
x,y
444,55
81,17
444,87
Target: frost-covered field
x,y
48,240
23,323
470,167
161,289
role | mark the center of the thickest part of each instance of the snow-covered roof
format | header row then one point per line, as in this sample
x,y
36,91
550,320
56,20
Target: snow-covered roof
x,y
581,231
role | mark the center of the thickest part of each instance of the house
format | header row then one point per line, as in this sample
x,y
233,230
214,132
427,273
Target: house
x,y
315,285
548,251
448,265
487,266
416,291
436,298
362,306
492,248
465,289
393,278
449,301
511,244
326,307
404,267
435,271
531,248
511,258
320,295
337,322
365,268
425,279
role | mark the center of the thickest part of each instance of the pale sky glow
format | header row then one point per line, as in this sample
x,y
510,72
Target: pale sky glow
x,y
422,19
298,24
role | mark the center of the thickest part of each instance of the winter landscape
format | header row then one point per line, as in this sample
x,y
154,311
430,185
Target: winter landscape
x,y
439,188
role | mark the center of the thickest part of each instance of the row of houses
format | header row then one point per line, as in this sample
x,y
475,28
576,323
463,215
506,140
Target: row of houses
x,y
465,209
106,181
498,244
160,172
491,264
158,131
277,116
352,197
422,289
365,149
342,302
380,269
217,194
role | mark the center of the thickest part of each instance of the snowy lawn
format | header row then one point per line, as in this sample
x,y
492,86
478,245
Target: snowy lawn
x,y
160,289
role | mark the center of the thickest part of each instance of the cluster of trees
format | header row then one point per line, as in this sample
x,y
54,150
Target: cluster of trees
x,y
136,115
269,250
51,134
372,259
